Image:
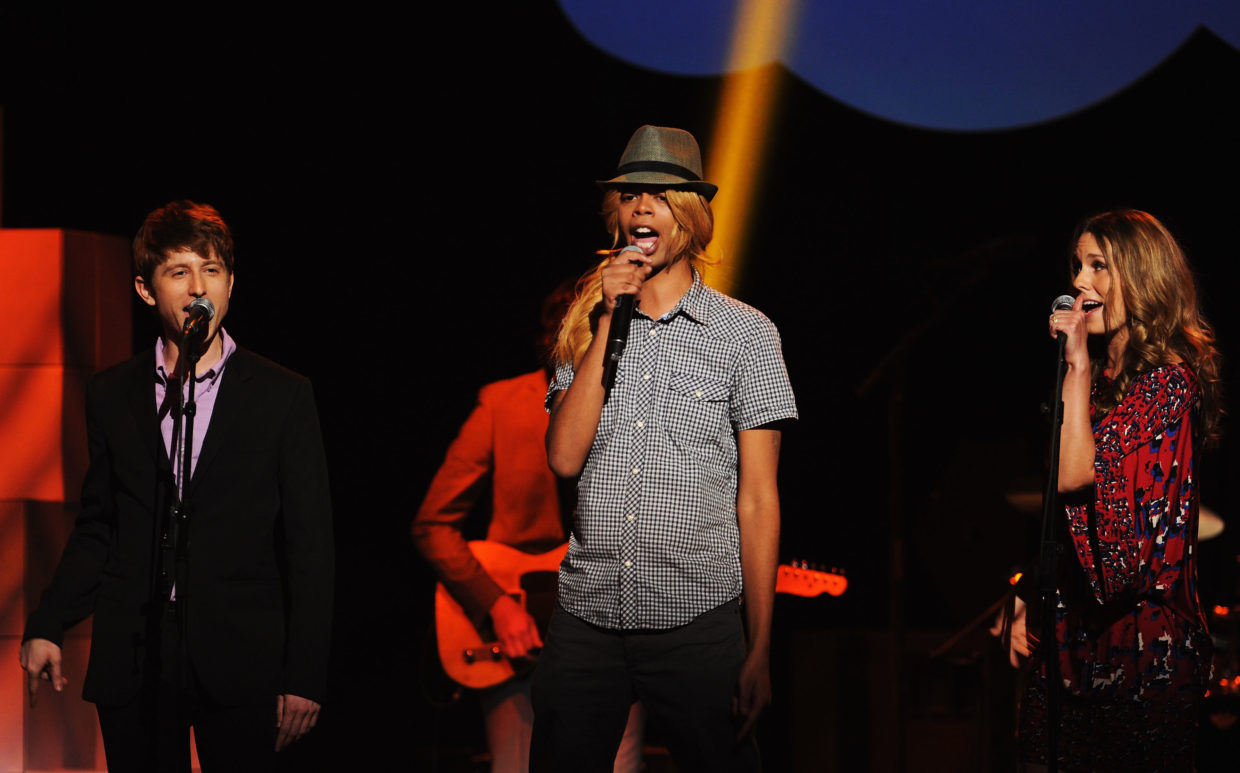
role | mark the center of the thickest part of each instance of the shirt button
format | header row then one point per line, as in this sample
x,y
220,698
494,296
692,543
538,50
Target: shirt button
x,y
645,377
636,470
653,333
628,564
698,394
630,517
641,424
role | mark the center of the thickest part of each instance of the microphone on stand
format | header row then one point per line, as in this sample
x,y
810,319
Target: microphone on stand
x,y
618,333
194,330
200,311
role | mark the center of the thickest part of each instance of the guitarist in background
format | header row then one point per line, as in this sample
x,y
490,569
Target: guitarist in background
x,y
500,447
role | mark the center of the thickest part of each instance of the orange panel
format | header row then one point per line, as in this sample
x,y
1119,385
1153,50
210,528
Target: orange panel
x,y
30,423
31,272
65,313
64,298
64,301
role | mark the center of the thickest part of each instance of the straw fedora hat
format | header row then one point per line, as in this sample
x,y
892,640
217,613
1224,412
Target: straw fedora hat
x,y
659,155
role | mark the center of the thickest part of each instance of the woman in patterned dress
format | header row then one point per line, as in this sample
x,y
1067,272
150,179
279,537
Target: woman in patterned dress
x,y
1140,395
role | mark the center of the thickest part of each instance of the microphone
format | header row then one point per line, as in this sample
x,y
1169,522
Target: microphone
x,y
618,333
201,311
1062,303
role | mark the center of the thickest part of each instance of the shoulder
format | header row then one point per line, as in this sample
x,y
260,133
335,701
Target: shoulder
x,y
247,365
726,316
528,383
267,388
135,372
1157,398
142,362
1172,383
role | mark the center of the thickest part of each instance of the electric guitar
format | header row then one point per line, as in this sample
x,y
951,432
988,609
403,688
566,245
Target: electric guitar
x,y
472,657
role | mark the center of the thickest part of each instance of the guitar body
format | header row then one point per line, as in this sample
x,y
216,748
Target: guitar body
x,y
472,657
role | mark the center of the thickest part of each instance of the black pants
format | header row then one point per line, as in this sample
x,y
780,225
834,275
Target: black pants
x,y
587,677
151,733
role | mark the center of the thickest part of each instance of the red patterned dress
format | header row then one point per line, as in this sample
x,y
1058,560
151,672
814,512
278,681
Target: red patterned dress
x,y
1134,654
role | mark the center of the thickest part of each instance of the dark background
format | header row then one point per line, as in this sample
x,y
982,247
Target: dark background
x,y
409,192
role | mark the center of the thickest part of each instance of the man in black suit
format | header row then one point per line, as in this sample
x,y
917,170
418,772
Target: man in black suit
x,y
228,633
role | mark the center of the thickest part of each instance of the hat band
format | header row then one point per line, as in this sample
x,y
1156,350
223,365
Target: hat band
x,y
659,166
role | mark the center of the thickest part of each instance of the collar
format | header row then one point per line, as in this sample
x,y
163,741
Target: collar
x,y
213,374
695,303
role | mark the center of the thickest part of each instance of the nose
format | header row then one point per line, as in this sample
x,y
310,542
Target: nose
x,y
197,287
645,203
1080,281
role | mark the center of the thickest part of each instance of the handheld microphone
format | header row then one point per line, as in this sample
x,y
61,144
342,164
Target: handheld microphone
x,y
1062,303
618,333
201,311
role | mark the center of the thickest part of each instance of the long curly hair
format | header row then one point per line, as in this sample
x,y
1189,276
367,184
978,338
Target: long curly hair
x,y
695,224
1164,322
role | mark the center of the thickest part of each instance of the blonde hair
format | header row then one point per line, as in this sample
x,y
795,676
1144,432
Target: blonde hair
x,y
1164,321
695,224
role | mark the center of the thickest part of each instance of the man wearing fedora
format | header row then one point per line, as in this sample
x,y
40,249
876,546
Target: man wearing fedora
x,y
678,509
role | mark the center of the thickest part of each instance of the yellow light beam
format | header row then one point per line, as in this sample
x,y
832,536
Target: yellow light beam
x,y
739,140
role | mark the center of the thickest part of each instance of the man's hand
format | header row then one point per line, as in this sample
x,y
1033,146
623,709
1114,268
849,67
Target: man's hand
x,y
294,718
753,693
516,630
40,659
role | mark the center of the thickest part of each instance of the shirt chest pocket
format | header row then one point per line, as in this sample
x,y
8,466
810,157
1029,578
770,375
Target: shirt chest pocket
x,y
695,412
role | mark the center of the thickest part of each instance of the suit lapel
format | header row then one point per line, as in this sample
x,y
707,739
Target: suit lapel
x,y
227,410
140,394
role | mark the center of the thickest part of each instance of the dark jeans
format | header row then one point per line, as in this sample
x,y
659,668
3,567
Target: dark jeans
x,y
587,678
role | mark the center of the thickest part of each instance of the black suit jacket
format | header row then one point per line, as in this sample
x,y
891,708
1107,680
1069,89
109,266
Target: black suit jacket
x,y
259,588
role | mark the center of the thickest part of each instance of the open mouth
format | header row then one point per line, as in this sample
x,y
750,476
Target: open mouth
x,y
1089,306
644,237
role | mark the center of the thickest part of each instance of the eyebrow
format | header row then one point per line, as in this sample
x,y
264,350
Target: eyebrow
x,y
171,264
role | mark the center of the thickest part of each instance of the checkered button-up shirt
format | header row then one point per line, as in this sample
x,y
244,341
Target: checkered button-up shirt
x,y
655,540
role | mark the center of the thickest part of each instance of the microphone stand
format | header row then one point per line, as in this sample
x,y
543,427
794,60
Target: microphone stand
x,y
176,538
1048,567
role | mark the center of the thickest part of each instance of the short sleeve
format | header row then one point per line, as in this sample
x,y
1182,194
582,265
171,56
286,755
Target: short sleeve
x,y
762,394
562,380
